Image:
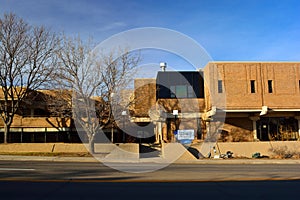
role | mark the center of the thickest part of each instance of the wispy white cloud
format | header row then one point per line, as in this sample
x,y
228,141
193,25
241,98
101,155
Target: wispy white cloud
x,y
111,26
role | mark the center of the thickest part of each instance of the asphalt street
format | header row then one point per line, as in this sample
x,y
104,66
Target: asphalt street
x,y
48,170
93,180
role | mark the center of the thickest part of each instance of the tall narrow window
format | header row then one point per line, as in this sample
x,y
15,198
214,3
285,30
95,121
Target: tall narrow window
x,y
220,86
270,86
299,85
252,86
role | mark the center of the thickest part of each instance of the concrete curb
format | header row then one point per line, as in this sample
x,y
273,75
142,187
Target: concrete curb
x,y
148,160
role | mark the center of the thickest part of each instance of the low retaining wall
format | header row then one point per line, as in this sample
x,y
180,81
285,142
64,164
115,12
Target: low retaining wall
x,y
239,149
64,148
247,149
69,148
26,147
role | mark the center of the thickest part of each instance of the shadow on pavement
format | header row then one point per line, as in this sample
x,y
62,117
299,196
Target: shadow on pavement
x,y
147,151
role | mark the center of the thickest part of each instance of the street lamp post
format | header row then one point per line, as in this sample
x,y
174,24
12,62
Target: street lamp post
x,y
123,115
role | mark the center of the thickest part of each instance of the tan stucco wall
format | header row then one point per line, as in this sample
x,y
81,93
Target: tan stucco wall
x,y
183,105
144,96
239,149
236,78
64,148
39,122
247,149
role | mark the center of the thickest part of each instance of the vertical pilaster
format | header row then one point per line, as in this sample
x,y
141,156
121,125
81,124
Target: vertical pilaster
x,y
254,132
159,132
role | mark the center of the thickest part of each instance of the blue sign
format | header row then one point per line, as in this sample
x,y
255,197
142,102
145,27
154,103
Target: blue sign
x,y
185,134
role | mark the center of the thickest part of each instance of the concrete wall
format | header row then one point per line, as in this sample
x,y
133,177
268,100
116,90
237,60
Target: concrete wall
x,y
26,147
239,149
247,149
64,148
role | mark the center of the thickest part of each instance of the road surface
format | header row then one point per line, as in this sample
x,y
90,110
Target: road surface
x,y
78,180
42,170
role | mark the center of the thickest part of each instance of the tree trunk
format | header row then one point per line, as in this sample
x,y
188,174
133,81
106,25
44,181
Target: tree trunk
x,y
6,131
92,145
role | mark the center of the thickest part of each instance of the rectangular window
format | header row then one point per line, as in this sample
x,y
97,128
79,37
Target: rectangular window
x,y
220,86
252,86
299,85
181,91
166,83
270,86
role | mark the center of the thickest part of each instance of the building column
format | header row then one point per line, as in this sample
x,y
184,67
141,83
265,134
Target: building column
x,y
159,135
254,120
207,123
298,118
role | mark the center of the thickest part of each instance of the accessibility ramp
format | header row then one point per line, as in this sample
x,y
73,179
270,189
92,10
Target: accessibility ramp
x,y
127,152
176,152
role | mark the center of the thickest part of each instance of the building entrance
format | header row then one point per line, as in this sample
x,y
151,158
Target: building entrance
x,y
277,129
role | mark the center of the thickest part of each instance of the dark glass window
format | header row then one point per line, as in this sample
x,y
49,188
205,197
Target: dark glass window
x,y
182,91
270,86
182,84
220,86
173,91
252,86
190,92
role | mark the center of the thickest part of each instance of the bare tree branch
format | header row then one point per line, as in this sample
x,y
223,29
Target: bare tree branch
x,y
94,78
27,60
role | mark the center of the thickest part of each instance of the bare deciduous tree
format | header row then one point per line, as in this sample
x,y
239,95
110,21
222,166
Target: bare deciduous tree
x,y
26,62
97,80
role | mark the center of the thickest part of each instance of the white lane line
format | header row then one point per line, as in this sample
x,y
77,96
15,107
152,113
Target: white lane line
x,y
15,169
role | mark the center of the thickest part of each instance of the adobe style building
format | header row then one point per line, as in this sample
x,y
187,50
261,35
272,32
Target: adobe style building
x,y
224,101
44,116
262,99
246,101
158,99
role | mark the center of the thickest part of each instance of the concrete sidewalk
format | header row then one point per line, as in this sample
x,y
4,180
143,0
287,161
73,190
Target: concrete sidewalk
x,y
239,149
133,153
147,160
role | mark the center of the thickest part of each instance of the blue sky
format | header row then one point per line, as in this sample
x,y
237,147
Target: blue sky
x,y
229,30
